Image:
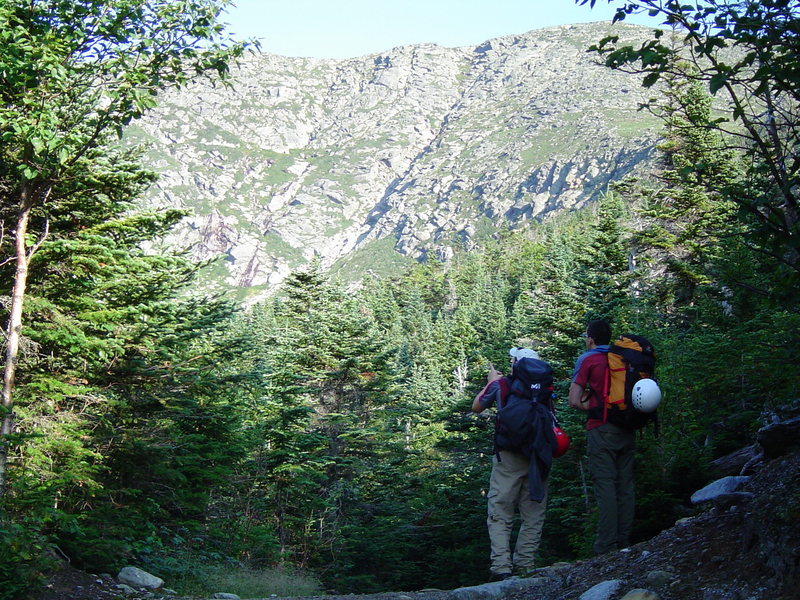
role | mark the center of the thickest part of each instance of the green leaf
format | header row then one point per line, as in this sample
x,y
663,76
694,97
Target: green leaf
x,y
650,79
717,82
38,144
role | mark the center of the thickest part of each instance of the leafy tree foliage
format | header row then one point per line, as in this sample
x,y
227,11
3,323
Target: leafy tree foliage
x,y
745,51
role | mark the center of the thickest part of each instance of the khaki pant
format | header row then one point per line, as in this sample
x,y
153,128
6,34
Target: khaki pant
x,y
508,491
611,451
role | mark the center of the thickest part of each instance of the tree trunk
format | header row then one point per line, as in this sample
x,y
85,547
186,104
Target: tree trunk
x,y
13,328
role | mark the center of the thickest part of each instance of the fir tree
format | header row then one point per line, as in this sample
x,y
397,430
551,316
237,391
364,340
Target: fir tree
x,y
73,74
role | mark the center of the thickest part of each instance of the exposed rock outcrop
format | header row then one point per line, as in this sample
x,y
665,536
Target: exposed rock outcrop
x,y
425,145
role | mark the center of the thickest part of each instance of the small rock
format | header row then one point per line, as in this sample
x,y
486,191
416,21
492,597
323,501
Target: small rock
x,y
225,596
640,595
658,579
125,589
719,594
602,591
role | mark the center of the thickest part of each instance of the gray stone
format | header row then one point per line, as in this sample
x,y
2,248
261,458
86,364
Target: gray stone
x,y
726,485
486,591
137,578
720,594
640,595
779,438
533,586
602,591
225,596
658,579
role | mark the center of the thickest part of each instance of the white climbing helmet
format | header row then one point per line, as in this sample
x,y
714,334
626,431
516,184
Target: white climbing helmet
x,y
646,395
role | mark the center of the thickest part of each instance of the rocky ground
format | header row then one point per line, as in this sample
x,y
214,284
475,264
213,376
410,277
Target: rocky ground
x,y
735,550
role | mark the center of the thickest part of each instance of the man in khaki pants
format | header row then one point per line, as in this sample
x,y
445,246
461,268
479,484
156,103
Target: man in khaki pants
x,y
509,488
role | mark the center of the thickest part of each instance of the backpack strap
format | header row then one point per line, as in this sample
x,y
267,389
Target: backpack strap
x,y
504,385
505,388
598,412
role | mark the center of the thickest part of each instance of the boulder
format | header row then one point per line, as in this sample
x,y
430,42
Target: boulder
x,y
139,579
778,438
659,579
726,485
736,462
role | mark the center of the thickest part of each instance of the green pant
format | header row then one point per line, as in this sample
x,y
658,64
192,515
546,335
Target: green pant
x,y
508,492
611,452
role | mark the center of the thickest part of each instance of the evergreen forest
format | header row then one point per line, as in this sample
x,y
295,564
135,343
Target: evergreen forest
x,y
328,430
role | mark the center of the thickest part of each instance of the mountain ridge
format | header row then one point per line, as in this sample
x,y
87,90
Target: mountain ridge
x,y
400,155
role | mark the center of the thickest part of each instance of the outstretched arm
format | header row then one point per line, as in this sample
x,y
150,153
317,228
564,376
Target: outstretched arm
x,y
492,376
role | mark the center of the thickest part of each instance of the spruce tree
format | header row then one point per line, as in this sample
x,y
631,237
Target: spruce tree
x,y
72,74
691,224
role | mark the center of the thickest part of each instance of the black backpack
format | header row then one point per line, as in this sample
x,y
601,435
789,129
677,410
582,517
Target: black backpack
x,y
630,359
526,416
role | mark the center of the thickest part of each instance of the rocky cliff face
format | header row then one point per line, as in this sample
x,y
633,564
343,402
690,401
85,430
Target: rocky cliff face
x,y
401,154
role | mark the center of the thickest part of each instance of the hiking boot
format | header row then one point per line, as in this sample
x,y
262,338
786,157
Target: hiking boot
x,y
499,576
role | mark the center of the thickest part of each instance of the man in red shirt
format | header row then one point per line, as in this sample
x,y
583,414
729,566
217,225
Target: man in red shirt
x,y
611,448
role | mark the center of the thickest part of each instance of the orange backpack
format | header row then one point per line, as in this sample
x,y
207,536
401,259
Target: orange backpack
x,y
630,358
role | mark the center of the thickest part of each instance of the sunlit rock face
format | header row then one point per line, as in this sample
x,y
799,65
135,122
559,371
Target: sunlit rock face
x,y
400,155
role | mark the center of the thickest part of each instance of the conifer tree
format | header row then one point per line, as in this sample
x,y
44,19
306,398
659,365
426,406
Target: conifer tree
x,y
120,400
71,75
550,313
691,224
325,413
604,277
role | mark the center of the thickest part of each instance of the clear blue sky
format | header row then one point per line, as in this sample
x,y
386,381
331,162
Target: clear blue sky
x,y
349,28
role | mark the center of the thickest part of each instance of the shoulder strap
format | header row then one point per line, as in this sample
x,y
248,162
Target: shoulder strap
x,y
504,385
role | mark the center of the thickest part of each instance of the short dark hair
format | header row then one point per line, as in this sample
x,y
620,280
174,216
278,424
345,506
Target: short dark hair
x,y
600,331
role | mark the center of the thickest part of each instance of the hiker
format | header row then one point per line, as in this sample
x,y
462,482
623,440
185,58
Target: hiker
x,y
518,481
610,447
